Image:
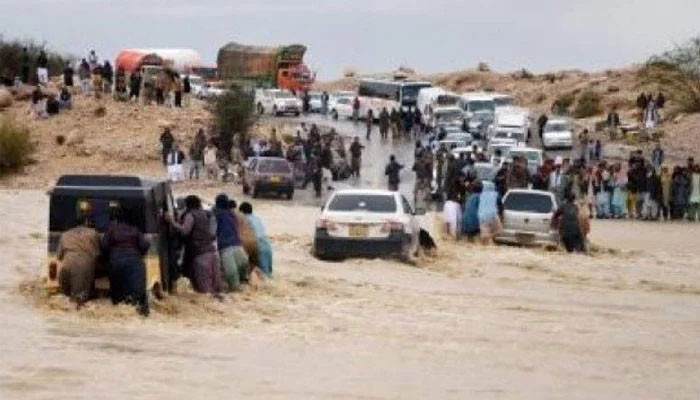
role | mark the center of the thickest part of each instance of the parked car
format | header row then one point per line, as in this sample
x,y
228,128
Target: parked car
x,y
268,174
527,218
558,133
340,107
315,102
277,102
366,222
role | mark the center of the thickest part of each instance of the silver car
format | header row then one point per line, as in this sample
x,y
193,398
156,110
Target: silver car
x,y
527,218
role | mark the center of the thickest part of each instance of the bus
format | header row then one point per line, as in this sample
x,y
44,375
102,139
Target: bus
x,y
375,94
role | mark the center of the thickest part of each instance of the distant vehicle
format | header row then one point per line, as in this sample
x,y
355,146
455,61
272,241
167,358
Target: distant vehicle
x,y
472,103
277,102
479,123
375,94
315,102
258,66
503,100
527,217
366,222
148,199
467,150
197,85
340,107
431,98
558,133
209,90
533,157
446,116
463,136
515,123
268,174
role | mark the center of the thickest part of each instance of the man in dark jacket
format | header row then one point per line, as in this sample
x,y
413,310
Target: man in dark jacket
x,y
42,68
24,68
384,123
107,75
356,157
392,171
134,85
166,140
566,219
68,75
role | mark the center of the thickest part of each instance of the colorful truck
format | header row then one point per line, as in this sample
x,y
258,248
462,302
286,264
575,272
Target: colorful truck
x,y
267,67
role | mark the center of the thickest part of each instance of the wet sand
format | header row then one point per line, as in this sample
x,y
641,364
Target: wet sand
x,y
470,323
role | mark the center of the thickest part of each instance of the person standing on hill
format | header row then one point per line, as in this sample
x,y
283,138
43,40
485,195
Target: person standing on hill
x,y
92,60
107,77
166,141
42,68
186,90
134,86
657,156
68,75
84,76
24,68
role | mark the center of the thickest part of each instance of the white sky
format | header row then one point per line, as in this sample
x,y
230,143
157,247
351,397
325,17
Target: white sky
x,y
371,35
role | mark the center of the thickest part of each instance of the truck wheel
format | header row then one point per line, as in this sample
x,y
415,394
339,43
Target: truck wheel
x,y
261,110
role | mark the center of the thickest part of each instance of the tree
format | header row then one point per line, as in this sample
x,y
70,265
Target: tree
x,y
677,73
11,58
234,114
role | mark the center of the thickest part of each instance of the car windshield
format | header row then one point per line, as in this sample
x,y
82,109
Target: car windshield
x,y
409,93
528,202
283,95
504,101
274,167
363,202
478,105
448,115
530,156
556,127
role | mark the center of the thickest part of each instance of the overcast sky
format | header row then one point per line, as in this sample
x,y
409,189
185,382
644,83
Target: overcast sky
x,y
371,35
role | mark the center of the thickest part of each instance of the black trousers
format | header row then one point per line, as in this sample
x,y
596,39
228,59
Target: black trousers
x,y
573,242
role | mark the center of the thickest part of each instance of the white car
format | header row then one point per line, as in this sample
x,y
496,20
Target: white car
x,y
197,86
277,102
511,122
527,218
558,133
446,116
366,222
340,107
315,102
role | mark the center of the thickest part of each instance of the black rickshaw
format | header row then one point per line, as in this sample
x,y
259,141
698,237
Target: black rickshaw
x,y
148,199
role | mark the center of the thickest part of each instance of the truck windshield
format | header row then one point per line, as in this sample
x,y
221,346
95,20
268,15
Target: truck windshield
x,y
479,105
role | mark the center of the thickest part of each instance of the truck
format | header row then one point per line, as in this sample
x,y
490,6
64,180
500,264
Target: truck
x,y
265,67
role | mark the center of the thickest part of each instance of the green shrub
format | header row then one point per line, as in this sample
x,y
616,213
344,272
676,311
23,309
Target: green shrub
x,y
562,103
588,104
15,145
234,114
11,58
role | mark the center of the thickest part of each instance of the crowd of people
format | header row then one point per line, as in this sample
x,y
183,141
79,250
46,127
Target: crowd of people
x,y
218,251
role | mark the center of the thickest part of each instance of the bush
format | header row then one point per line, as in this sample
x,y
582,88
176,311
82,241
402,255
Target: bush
x,y
15,145
588,104
676,73
11,58
562,103
234,114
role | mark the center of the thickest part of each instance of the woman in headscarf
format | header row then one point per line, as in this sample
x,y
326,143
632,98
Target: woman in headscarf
x,y
126,246
489,221
234,259
470,217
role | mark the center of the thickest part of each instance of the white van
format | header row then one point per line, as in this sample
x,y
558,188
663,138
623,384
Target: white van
x,y
471,103
429,99
511,123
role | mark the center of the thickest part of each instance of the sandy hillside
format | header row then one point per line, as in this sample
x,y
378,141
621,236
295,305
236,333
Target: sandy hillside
x,y
472,323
